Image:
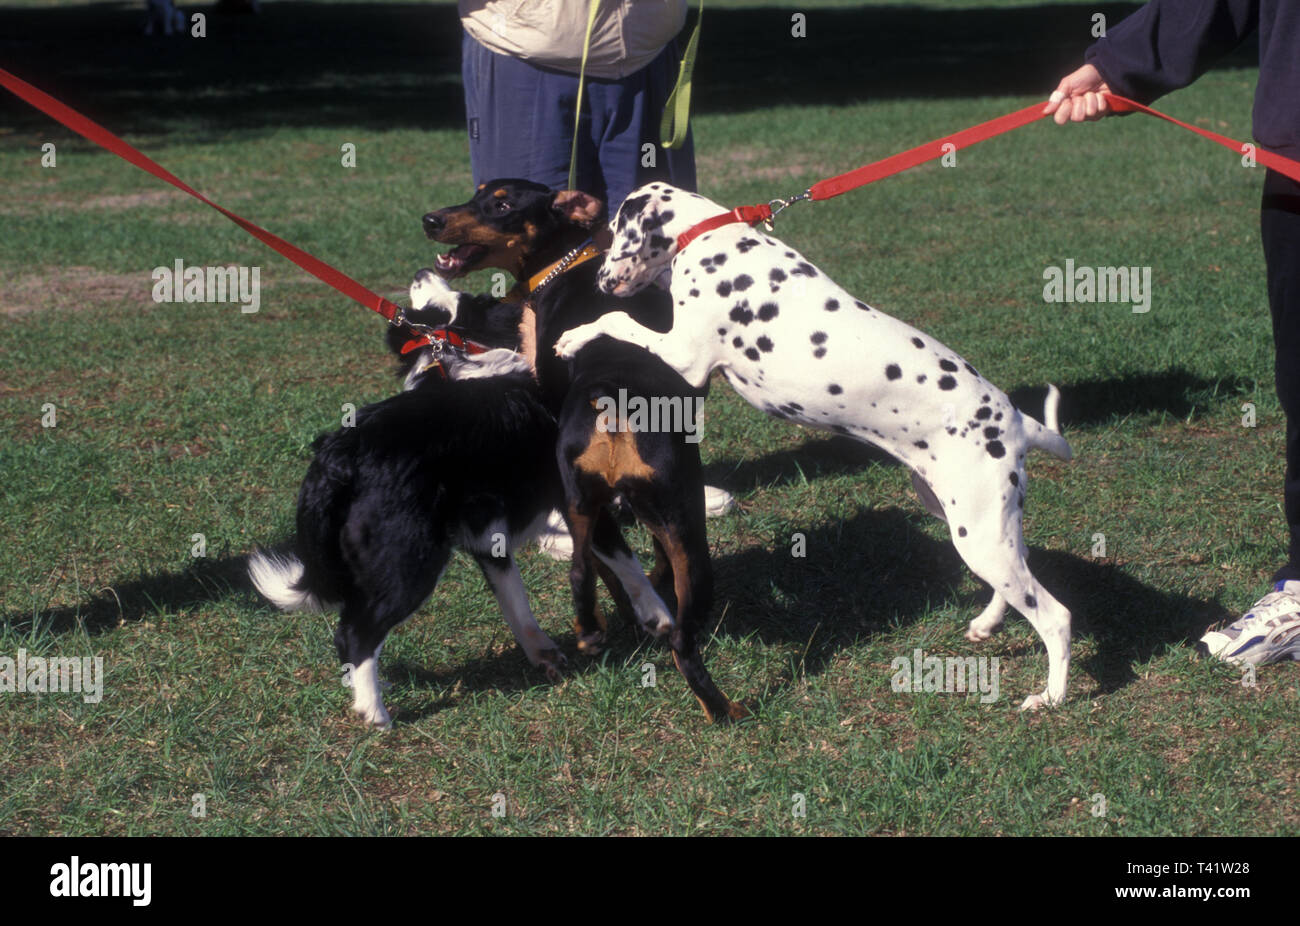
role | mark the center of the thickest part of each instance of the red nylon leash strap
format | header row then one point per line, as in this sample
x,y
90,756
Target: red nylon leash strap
x,y
1270,159
877,170
932,150
929,151
106,139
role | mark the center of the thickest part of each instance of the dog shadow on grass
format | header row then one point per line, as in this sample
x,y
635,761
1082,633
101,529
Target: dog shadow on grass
x,y
204,581
865,577
869,576
1176,392
221,578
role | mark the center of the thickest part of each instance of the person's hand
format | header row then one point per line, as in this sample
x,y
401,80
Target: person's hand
x,y
1079,96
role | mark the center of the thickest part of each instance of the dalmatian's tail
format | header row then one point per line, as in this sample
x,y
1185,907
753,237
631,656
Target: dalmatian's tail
x,y
1047,436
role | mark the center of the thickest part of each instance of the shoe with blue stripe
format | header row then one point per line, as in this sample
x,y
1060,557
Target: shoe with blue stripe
x,y
1268,632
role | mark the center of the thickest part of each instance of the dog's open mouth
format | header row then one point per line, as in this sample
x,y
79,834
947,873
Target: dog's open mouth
x,y
459,260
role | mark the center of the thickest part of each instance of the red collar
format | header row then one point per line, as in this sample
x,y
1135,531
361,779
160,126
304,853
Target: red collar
x,y
750,215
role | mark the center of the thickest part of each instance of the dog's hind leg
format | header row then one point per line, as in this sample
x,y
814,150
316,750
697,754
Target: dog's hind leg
x,y
588,624
989,621
502,574
661,576
606,540
990,618
613,553
383,594
998,556
358,649
693,582
359,638
1052,621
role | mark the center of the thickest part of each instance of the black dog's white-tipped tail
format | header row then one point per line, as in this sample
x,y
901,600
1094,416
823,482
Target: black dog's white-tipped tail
x,y
1048,436
278,578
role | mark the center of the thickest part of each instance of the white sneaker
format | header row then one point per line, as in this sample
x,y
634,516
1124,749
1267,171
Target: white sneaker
x,y
717,502
1268,632
554,540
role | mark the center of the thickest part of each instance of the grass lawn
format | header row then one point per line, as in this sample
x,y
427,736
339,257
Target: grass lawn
x,y
174,420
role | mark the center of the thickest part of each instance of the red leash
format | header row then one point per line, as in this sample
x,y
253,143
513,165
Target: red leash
x,y
763,212
931,150
1270,159
106,139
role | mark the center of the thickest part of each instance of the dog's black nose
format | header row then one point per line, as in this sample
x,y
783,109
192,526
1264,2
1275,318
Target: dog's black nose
x,y
433,223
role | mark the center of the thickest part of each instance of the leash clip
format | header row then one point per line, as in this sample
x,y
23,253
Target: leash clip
x,y
777,206
437,346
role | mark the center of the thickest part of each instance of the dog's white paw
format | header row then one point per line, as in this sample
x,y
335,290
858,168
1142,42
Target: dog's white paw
x,y
575,339
717,502
554,539
375,715
1036,702
428,290
653,615
989,621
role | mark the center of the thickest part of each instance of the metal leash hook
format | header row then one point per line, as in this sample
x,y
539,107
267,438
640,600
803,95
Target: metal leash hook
x,y
436,345
779,205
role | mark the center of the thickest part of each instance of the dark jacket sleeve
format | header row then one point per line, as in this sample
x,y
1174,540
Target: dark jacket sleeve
x,y
1167,44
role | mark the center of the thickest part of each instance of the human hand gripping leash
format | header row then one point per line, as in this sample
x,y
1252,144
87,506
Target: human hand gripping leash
x,y
933,150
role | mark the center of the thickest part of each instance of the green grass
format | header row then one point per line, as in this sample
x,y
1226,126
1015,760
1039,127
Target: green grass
x,y
183,419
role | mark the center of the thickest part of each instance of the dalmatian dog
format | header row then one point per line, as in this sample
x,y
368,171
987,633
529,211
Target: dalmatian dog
x,y
799,347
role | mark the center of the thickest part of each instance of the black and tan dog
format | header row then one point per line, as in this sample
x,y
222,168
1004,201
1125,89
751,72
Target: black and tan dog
x,y
544,239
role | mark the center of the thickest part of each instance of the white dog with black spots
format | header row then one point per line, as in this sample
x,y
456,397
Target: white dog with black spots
x,y
799,347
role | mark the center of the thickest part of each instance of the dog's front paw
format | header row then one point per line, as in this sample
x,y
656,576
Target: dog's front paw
x,y
575,339
553,663
428,290
653,615
591,643
1037,702
375,715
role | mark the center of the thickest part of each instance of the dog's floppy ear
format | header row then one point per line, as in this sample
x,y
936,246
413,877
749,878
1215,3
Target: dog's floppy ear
x,y
578,207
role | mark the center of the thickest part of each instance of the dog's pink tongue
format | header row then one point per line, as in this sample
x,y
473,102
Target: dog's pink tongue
x,y
454,262
445,264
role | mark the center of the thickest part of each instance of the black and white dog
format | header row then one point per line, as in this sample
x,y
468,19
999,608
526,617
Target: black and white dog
x,y
796,345
465,456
